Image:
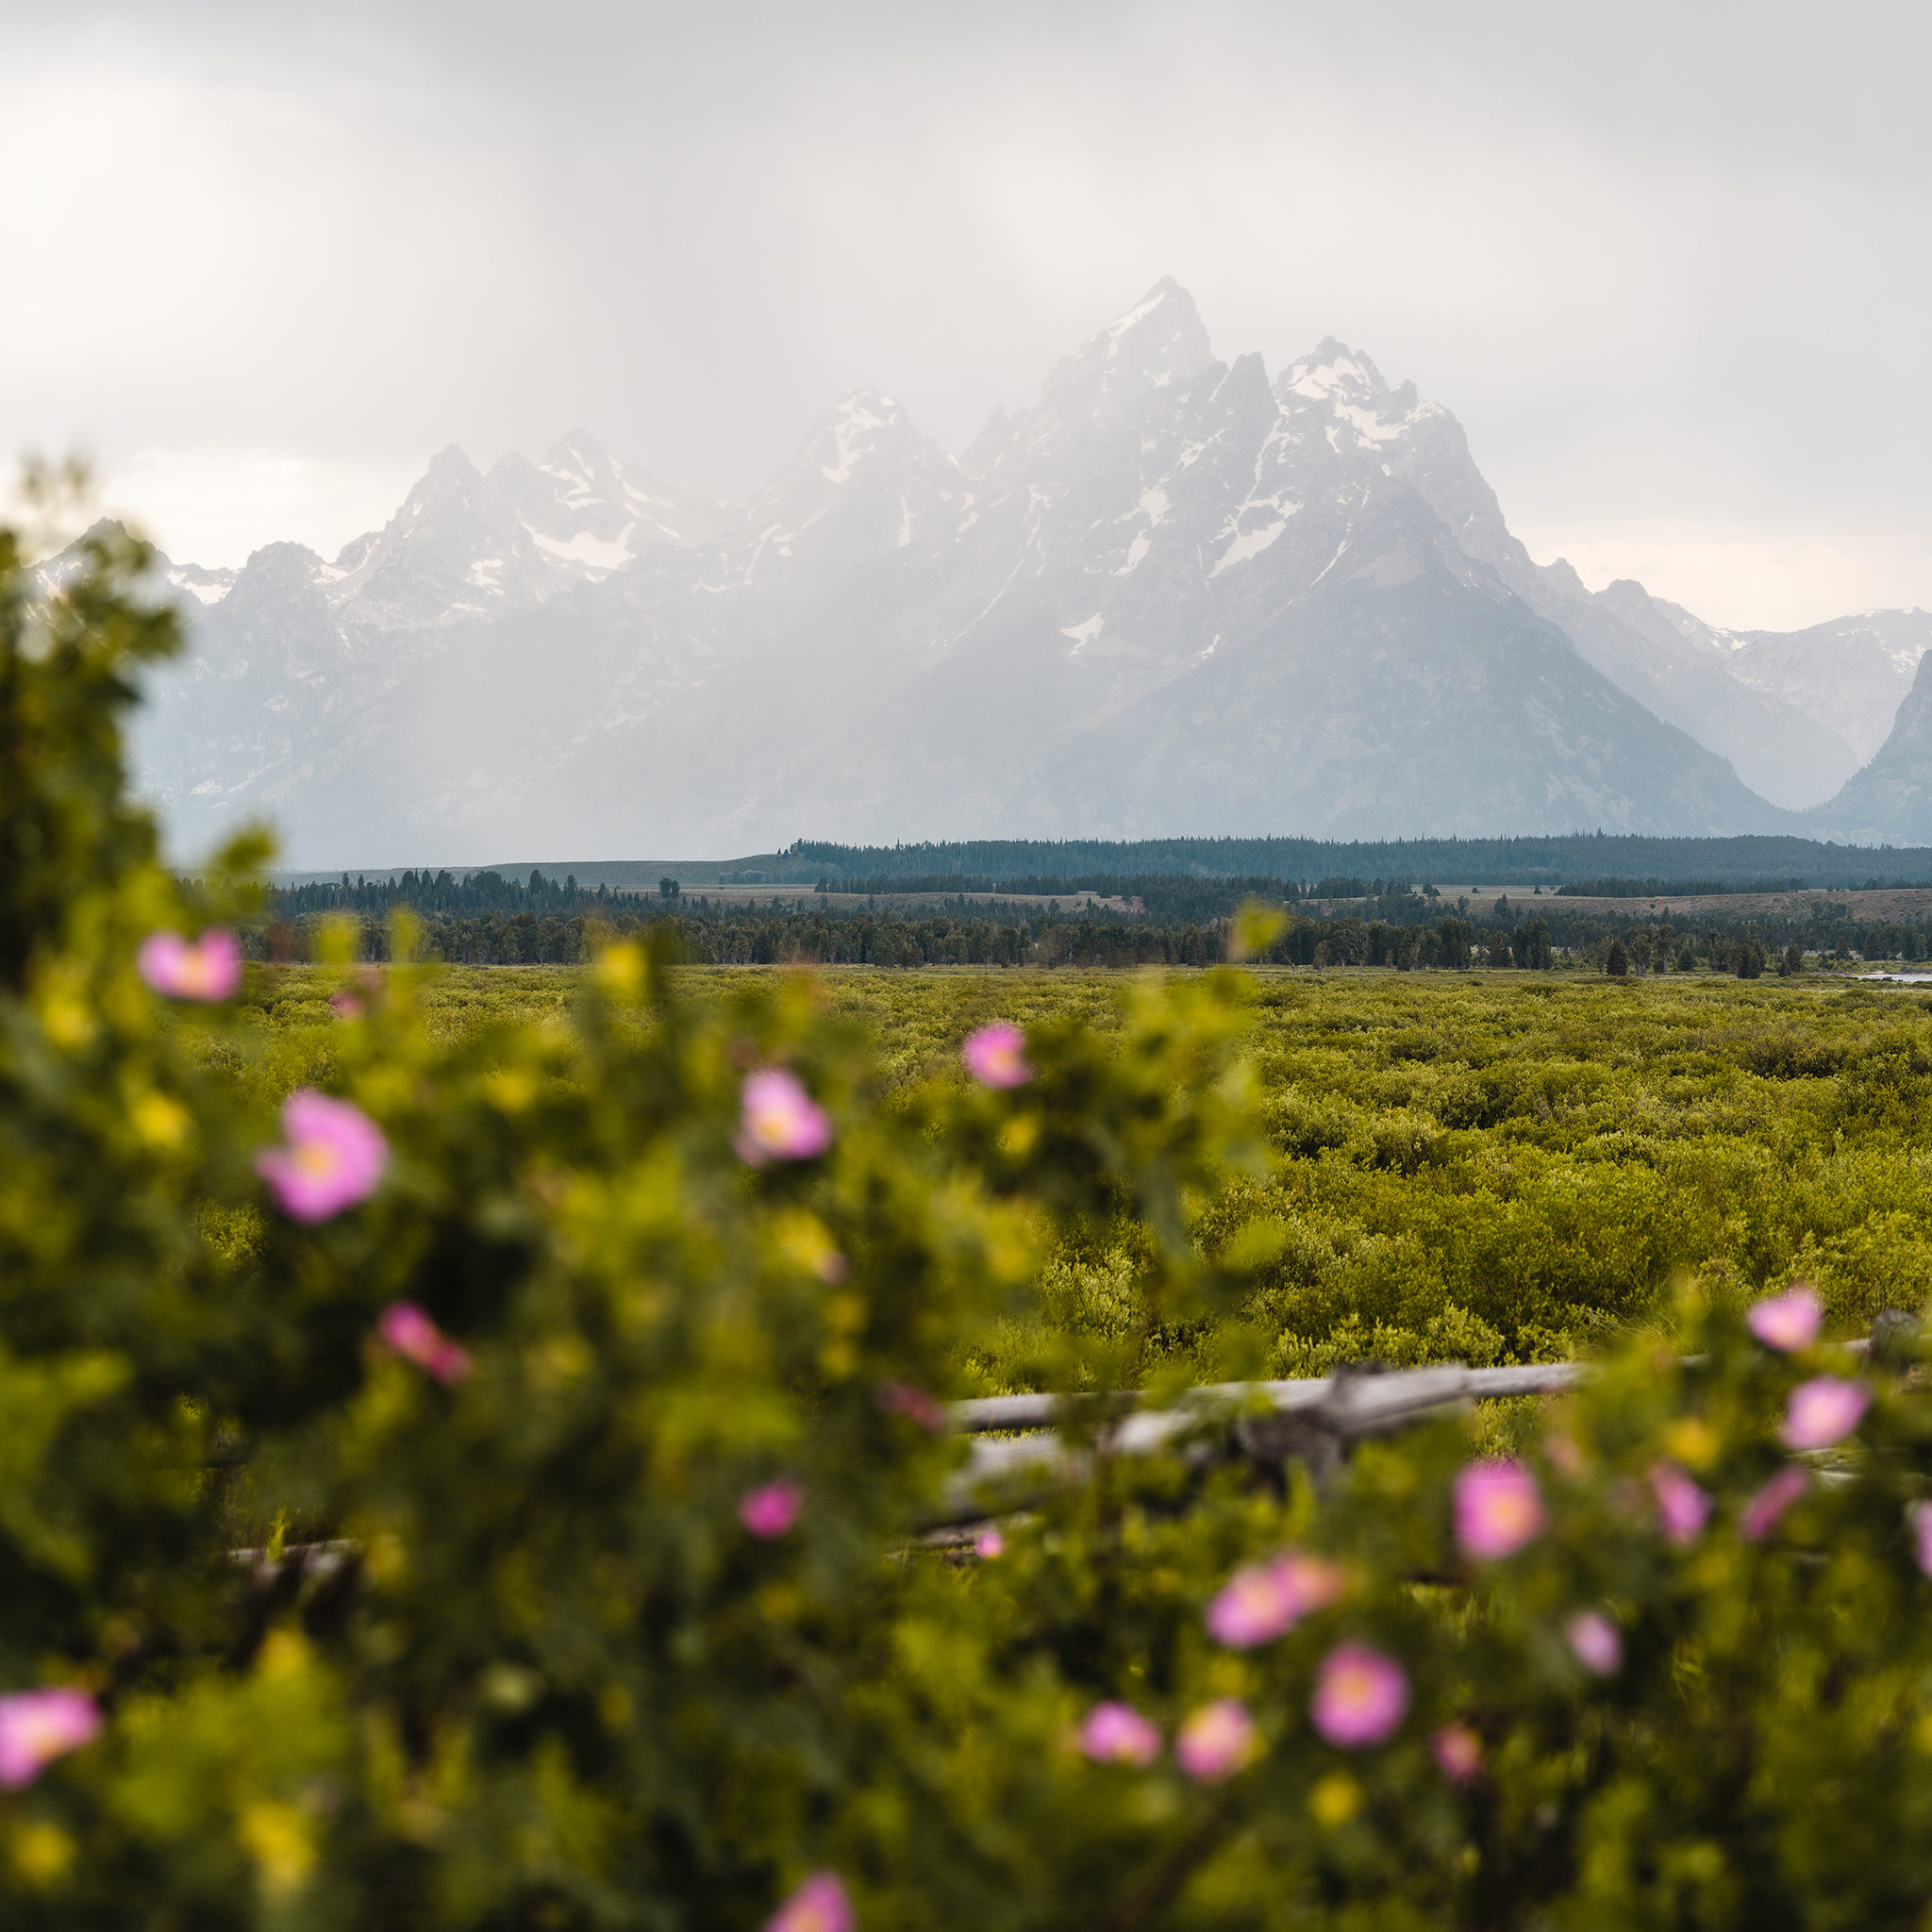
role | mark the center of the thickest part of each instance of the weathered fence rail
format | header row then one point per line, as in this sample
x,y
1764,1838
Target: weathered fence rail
x,y
1313,1421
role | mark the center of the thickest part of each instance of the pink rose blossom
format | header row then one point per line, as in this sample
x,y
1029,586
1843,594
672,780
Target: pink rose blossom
x,y
333,1157
1682,1508
414,1336
916,1405
1823,1411
1759,1516
1593,1637
1216,1742
1118,1734
1788,1321
988,1544
770,1511
782,1121
1458,1753
1498,1508
1262,1600
37,1726
820,1905
1361,1697
1920,1516
211,969
996,1055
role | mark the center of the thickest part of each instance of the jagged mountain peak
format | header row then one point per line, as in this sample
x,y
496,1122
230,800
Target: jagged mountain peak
x,y
1163,330
1333,371
861,424
581,463
1158,345
450,465
985,449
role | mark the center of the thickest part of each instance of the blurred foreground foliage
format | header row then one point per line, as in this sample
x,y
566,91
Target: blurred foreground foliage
x,y
379,1648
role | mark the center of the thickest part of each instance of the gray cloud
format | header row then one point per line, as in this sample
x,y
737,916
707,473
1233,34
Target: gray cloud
x,y
1668,264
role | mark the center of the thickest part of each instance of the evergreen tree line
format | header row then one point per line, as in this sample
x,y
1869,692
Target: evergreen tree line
x,y
488,920
1729,864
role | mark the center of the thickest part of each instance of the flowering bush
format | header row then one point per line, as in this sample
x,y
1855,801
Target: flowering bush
x,y
493,1492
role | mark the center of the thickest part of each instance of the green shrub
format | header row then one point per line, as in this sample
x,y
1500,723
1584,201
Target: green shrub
x,y
519,1520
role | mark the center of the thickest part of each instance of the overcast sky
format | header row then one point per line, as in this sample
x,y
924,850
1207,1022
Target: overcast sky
x,y
1669,265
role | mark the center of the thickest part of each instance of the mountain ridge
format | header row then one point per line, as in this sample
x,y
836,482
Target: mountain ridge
x,y
1171,593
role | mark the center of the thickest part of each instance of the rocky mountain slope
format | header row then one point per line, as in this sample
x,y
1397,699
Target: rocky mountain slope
x,y
1169,597
1889,801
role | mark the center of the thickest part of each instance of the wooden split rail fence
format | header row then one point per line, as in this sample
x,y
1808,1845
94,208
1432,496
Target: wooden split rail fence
x,y
1312,1420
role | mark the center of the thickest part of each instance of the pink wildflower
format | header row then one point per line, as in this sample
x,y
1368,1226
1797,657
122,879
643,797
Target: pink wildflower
x,y
414,1336
1682,1508
1262,1600
1788,1321
820,1905
1118,1734
1823,1411
211,969
996,1055
988,1544
1593,1637
37,1726
1920,1516
345,1006
1759,1516
1458,1753
333,1157
916,1404
1498,1508
1361,1697
1216,1742
782,1121
770,1511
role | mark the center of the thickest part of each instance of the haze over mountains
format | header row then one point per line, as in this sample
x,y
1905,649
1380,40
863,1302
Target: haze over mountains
x,y
1171,596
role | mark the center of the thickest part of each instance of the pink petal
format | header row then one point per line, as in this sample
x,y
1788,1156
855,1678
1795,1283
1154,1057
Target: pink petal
x,y
1682,1508
1788,1321
769,1513
37,1726
1118,1734
1260,1601
1361,1697
781,1121
1498,1508
996,1055
1216,1742
333,1158
1823,1411
1760,1514
1920,1516
1594,1640
820,1905
916,1405
1457,1751
211,969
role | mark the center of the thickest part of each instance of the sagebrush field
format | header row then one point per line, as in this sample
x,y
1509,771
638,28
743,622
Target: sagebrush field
x,y
1480,1167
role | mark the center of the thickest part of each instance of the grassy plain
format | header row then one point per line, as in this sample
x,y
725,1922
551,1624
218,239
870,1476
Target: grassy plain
x,y
1484,1167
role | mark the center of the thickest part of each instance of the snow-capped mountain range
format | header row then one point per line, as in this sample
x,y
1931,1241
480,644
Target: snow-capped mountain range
x,y
1170,597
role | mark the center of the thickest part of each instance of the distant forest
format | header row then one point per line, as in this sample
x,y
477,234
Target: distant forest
x,y
1169,919
1577,857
